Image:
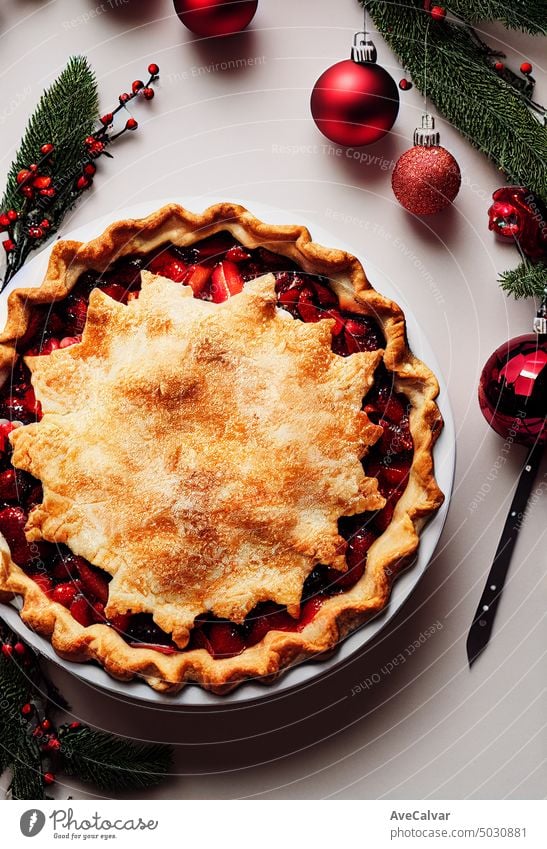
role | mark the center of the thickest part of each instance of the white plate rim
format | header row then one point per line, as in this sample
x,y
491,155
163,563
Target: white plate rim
x,y
192,696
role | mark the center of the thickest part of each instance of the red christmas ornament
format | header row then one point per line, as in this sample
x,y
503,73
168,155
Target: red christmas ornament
x,y
209,18
517,214
426,178
513,389
438,13
355,102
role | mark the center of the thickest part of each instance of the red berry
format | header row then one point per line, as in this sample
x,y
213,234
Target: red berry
x,y
23,175
8,485
33,167
438,13
123,98
68,341
83,183
115,291
7,650
45,224
136,86
64,593
225,639
75,725
131,124
237,254
225,281
197,276
107,119
89,169
42,182
499,66
4,221
12,527
526,68
89,141
168,264
46,149
93,581
28,191
12,215
35,232
148,93
49,778
45,725
80,609
19,648
153,69
9,245
48,193
27,709
405,85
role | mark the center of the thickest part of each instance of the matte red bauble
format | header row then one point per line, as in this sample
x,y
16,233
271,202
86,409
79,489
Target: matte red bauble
x,y
355,102
215,17
513,389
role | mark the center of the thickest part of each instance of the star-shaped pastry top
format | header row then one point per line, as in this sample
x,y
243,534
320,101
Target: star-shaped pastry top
x,y
199,453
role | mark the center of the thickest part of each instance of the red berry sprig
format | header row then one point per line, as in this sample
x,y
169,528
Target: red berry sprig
x,y
43,202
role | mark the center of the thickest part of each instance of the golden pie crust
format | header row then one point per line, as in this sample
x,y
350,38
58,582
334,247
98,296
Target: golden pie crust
x,y
200,386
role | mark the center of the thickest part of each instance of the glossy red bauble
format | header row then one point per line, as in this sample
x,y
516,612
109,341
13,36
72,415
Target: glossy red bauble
x,y
513,389
208,18
355,103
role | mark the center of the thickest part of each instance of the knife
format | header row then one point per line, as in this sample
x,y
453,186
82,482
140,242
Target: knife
x,y
483,621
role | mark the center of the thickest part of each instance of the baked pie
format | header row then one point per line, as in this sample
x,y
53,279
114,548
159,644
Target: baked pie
x,y
215,448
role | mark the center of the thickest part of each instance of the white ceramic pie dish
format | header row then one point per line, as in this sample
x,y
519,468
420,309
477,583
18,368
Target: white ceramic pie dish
x,y
192,695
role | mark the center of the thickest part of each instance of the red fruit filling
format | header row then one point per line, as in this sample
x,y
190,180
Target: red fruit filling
x,y
216,268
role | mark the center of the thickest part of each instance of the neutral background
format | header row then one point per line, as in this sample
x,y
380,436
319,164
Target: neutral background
x,y
430,728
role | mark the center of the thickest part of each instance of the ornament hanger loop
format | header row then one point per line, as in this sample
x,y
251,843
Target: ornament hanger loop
x,y
363,49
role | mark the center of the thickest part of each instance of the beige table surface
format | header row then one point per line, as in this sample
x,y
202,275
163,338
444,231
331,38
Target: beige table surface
x,y
430,728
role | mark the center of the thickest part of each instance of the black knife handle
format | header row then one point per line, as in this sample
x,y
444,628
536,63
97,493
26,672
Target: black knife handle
x,y
485,614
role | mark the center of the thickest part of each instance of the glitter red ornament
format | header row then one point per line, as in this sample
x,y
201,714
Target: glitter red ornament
x,y
426,178
356,101
209,18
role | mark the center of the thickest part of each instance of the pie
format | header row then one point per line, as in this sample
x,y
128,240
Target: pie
x,y
215,448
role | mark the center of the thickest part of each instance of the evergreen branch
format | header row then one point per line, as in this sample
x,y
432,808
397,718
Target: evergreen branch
x,y
525,281
26,781
112,763
526,15
461,83
66,113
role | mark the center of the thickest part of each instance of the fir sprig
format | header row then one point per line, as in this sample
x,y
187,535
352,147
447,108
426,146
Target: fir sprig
x,y
491,109
526,15
112,764
65,115
525,281
466,89
35,750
